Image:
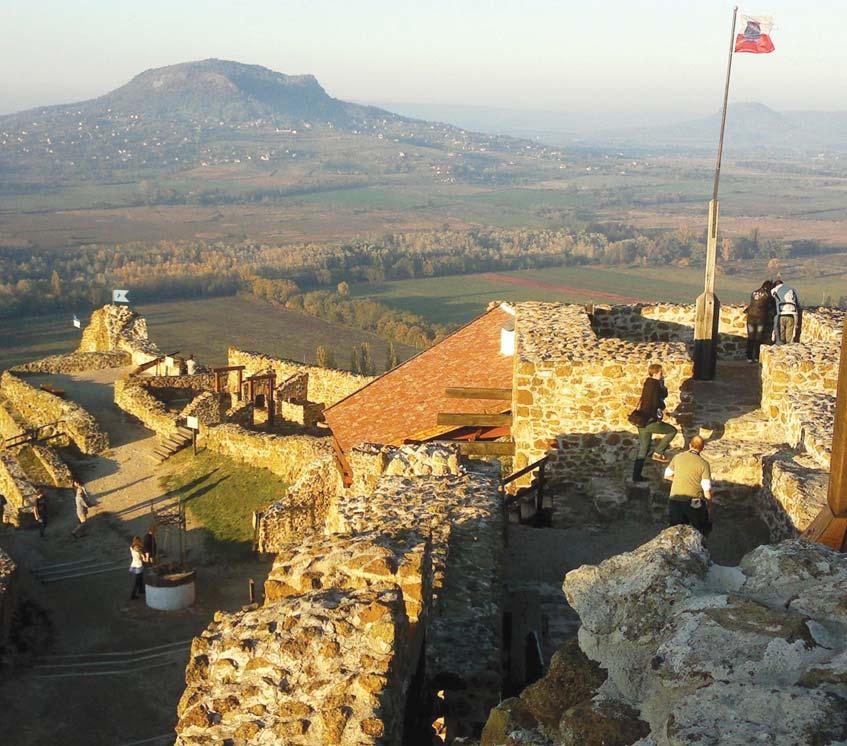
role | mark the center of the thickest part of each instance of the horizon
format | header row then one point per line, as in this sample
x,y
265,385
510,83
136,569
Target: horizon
x,y
481,57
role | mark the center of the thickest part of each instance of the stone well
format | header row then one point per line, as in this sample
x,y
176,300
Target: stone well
x,y
169,592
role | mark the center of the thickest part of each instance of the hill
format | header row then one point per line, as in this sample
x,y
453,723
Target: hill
x,y
169,120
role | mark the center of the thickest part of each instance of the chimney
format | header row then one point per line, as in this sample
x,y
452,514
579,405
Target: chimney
x,y
507,338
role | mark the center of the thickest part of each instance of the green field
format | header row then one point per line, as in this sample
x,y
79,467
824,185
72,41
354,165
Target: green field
x,y
453,300
205,327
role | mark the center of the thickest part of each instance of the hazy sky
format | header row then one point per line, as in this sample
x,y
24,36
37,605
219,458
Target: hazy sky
x,y
603,55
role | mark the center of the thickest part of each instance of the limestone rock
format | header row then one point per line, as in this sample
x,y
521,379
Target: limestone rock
x,y
509,724
601,723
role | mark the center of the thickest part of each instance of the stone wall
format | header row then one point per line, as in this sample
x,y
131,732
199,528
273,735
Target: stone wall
x,y
794,491
53,466
714,655
16,487
285,456
115,327
294,388
321,668
670,322
569,382
38,407
132,396
806,367
76,362
8,595
463,517
303,510
209,408
307,414
326,385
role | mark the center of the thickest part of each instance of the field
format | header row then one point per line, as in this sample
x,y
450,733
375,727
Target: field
x,y
205,327
453,300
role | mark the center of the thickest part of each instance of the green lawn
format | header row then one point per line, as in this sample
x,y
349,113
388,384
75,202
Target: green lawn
x,y
222,494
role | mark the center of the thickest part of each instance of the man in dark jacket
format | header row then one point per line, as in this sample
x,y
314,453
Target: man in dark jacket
x,y
649,419
760,312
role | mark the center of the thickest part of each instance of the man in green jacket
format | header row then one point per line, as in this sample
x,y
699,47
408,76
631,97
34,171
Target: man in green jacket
x,y
691,488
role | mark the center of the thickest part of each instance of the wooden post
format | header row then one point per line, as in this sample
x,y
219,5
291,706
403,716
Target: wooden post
x,y
707,310
830,525
240,370
271,380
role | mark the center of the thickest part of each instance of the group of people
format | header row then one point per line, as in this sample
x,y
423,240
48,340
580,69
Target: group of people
x,y
772,313
142,552
690,474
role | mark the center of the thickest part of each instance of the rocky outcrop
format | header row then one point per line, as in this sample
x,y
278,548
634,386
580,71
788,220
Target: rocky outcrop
x,y
39,407
718,655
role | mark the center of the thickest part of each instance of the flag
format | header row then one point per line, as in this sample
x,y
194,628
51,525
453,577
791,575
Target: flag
x,y
756,37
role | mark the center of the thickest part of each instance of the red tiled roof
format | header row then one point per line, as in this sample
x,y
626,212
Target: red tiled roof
x,y
406,400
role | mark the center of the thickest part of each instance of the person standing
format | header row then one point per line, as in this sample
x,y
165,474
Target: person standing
x,y
136,567
39,512
759,312
690,501
191,365
648,418
787,312
150,546
81,508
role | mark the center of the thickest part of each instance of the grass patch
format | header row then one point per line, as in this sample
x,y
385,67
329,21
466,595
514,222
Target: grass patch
x,y
221,493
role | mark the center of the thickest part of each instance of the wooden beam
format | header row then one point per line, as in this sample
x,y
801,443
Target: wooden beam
x,y
486,448
470,392
471,419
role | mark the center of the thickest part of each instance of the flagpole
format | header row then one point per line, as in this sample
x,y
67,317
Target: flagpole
x,y
707,310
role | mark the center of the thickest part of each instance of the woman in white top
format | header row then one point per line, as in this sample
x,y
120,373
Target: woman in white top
x,y
81,507
136,567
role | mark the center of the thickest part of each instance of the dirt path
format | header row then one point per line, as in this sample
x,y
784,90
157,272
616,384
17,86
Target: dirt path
x,y
93,614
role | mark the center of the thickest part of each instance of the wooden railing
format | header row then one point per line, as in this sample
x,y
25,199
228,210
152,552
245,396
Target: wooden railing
x,y
536,488
34,435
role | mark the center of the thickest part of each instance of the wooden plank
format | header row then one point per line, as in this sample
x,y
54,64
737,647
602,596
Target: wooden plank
x,y
474,419
471,392
486,448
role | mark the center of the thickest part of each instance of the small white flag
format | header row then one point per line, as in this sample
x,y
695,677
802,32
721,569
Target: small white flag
x,y
120,296
77,322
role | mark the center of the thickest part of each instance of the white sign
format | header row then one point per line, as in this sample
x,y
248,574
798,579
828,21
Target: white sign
x,y
77,322
192,422
120,296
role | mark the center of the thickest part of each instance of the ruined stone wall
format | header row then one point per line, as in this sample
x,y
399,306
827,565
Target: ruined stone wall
x,y
18,490
326,385
197,382
303,510
463,517
56,470
38,407
570,383
307,414
804,367
285,456
793,493
208,407
11,423
8,595
76,362
670,322
132,396
321,668
115,327
294,388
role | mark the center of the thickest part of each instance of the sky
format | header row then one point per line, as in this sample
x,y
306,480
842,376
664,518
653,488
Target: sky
x,y
555,55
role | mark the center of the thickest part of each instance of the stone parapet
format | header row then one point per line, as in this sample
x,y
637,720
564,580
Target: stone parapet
x,y
209,408
325,385
198,382
823,324
807,421
804,366
38,407
322,668
284,455
17,489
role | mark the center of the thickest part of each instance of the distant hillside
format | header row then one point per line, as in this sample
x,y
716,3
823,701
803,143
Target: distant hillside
x,y
751,127
169,120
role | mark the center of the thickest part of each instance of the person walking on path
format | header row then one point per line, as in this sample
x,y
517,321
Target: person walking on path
x,y
81,508
39,512
136,567
760,312
648,418
787,312
691,476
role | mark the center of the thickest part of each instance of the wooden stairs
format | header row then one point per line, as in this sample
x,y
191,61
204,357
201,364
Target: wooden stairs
x,y
169,445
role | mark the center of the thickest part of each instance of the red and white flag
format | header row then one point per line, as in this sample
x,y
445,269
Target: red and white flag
x,y
756,37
